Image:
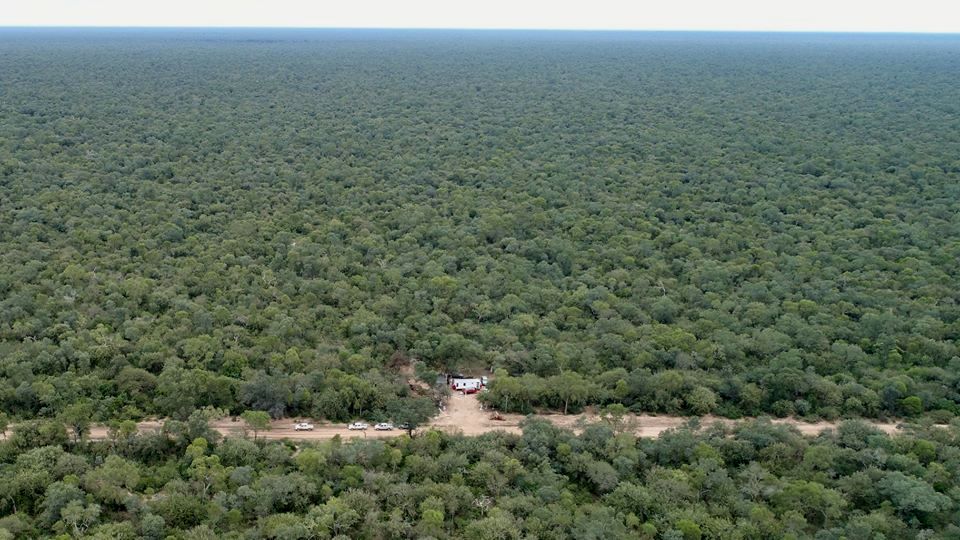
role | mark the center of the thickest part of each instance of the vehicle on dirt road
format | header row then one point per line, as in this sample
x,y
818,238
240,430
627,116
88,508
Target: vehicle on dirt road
x,y
358,426
303,426
383,426
466,384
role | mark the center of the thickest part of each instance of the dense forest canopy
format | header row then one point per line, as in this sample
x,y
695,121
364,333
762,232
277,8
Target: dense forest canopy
x,y
251,222
759,481
682,223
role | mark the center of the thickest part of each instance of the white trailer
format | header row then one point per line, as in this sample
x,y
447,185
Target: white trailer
x,y
466,384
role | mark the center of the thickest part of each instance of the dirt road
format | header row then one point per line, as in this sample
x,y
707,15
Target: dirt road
x,y
465,415
279,429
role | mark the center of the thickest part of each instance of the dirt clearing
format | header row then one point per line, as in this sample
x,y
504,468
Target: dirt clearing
x,y
464,414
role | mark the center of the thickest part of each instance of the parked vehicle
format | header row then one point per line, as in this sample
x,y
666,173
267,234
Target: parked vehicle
x,y
358,425
303,426
466,384
404,426
383,426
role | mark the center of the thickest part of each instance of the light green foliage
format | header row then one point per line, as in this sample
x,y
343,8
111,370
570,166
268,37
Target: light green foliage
x,y
76,518
112,481
310,461
701,400
762,479
334,518
56,497
37,433
912,405
912,496
256,421
78,418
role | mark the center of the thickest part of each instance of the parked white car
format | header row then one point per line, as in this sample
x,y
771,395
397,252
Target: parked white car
x,y
358,425
303,426
383,426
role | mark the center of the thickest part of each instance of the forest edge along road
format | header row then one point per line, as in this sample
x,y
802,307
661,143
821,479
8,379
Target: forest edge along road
x,y
464,415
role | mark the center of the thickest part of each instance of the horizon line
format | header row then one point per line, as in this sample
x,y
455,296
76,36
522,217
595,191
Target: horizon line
x,y
482,29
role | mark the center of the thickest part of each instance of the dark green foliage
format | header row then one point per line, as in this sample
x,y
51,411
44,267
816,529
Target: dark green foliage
x,y
740,225
38,433
410,413
545,483
207,221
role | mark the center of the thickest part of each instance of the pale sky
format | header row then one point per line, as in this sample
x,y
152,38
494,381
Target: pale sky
x,y
778,15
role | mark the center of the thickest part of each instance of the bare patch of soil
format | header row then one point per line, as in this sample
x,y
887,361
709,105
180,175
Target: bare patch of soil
x,y
464,414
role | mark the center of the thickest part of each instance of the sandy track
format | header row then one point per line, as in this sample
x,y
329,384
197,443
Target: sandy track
x,y
464,415
279,429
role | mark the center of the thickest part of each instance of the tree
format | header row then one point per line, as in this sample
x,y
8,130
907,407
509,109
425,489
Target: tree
x,y
701,400
912,497
912,405
57,496
602,475
498,525
265,392
38,433
77,417
817,503
207,472
615,416
257,421
113,481
121,434
570,387
431,516
689,529
152,527
629,497
411,413
180,510
333,518
310,461
77,517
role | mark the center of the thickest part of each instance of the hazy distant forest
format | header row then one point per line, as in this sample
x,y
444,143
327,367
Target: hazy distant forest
x,y
738,225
